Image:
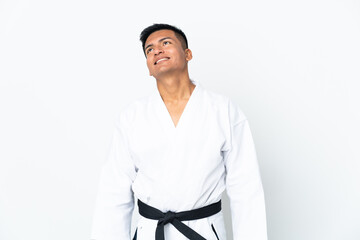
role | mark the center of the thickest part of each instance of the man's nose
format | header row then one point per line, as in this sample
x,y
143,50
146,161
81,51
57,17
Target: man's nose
x,y
158,51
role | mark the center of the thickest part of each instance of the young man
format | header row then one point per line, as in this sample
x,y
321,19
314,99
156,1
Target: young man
x,y
177,151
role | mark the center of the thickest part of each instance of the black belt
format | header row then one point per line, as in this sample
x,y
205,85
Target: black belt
x,y
175,219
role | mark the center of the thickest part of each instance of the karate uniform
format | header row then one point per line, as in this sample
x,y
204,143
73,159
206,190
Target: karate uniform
x,y
181,168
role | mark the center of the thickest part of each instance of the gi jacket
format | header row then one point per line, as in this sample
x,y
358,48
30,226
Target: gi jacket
x,y
181,168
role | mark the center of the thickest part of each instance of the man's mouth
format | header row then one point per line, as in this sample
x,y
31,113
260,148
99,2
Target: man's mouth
x,y
162,59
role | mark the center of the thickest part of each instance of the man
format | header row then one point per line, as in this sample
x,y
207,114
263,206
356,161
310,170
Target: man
x,y
177,150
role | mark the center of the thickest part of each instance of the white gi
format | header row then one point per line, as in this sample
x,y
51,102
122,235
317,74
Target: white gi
x,y
181,168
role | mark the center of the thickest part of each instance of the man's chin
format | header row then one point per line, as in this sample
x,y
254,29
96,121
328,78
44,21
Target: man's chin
x,y
162,74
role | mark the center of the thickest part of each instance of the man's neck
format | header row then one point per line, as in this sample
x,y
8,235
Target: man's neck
x,y
175,88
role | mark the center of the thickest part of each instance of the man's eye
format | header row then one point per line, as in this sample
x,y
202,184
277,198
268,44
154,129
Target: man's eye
x,y
149,50
166,42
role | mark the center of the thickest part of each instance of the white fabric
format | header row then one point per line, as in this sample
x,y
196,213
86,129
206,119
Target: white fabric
x,y
181,168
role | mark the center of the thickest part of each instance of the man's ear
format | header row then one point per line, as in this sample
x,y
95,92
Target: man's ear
x,y
188,54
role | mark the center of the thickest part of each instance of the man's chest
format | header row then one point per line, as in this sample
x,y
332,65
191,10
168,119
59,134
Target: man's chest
x,y
175,111
201,136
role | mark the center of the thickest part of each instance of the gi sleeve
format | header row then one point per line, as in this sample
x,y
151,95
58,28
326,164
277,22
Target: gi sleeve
x,y
243,184
115,199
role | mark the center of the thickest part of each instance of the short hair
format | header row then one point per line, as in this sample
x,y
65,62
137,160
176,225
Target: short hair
x,y
160,26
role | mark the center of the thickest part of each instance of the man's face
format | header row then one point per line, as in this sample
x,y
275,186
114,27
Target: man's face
x,y
164,54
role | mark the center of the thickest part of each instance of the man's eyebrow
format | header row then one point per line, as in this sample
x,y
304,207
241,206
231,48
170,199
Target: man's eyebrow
x,y
158,41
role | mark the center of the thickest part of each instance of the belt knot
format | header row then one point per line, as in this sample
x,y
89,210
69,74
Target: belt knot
x,y
168,218
176,218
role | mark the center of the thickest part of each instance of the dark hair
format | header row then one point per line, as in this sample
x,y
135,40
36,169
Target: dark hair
x,y
160,26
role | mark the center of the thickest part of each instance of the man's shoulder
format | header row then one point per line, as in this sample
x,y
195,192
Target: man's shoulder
x,y
137,103
215,97
132,108
226,103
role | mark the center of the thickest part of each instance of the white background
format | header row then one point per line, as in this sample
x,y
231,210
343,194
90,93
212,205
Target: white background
x,y
68,67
